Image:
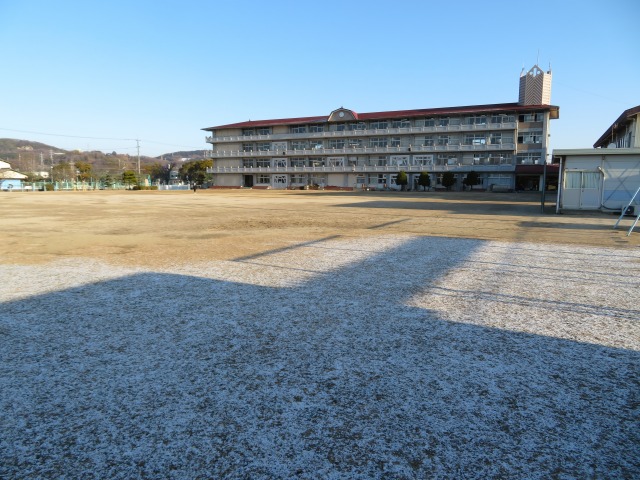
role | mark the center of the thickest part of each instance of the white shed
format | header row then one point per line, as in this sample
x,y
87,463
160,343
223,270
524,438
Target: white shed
x,y
602,179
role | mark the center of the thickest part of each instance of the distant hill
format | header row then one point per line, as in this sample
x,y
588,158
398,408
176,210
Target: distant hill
x,y
30,157
10,146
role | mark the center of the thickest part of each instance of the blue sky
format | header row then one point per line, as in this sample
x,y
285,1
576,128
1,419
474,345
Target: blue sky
x,y
162,70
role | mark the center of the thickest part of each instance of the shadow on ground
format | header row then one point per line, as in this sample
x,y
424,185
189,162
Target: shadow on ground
x,y
172,376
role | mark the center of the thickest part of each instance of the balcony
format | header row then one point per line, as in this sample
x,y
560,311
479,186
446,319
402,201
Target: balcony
x,y
415,149
366,169
361,133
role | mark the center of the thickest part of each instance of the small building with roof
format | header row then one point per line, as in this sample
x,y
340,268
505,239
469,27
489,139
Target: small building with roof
x,y
10,179
607,176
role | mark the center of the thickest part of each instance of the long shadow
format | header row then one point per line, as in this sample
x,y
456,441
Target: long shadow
x,y
160,375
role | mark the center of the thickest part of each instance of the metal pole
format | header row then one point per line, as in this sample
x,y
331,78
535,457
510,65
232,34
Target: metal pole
x,y
544,185
138,146
560,181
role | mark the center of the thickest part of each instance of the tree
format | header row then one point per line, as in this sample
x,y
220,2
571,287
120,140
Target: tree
x,y
402,180
129,178
195,171
156,171
62,172
472,179
83,170
448,180
424,180
107,181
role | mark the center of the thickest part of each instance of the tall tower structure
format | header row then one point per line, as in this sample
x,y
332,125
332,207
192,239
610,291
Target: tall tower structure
x,y
535,87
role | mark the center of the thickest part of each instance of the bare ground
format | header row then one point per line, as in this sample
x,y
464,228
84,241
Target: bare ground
x,y
154,228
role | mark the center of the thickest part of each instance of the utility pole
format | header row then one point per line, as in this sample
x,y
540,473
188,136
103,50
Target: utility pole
x,y
138,146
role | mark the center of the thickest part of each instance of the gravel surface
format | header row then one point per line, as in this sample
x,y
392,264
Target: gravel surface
x,y
378,357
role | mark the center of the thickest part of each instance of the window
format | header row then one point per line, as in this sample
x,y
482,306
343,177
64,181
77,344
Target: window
x,y
443,140
264,162
495,138
475,139
531,117
263,179
316,162
280,162
529,158
428,122
477,120
340,127
336,143
299,129
264,131
316,128
404,123
299,145
423,159
378,141
443,122
447,159
247,147
279,179
357,126
428,141
379,125
380,161
382,179
335,161
502,118
316,144
247,132
263,146
297,162
395,141
354,143
582,180
530,137
247,163
298,178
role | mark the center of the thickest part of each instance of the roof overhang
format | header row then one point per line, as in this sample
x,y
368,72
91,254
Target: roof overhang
x,y
554,113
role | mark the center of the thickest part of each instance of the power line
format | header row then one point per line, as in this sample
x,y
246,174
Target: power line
x,y
61,135
103,138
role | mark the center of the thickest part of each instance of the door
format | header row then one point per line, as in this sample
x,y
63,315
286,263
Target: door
x,y
279,181
248,181
582,190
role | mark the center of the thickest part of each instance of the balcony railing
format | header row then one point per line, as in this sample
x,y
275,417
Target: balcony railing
x,y
415,149
365,169
361,133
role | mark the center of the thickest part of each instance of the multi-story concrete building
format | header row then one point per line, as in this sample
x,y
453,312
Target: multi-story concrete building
x,y
346,149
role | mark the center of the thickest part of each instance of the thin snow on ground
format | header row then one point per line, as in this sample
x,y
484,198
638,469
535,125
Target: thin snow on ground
x,y
387,357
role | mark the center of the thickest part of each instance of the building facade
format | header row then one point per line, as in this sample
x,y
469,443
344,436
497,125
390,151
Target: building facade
x,y
346,149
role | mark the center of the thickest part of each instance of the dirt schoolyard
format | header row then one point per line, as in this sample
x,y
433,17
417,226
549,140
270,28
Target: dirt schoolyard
x,y
315,335
150,228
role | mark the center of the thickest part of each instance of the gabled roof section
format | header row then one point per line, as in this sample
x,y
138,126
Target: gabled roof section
x,y
620,123
342,115
425,112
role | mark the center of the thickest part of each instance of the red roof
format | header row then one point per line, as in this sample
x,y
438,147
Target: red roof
x,y
475,109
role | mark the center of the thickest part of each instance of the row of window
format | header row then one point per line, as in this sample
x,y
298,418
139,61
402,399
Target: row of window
x,y
381,161
381,179
494,138
402,123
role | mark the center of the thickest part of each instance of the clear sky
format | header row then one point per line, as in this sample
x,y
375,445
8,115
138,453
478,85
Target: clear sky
x,y
161,70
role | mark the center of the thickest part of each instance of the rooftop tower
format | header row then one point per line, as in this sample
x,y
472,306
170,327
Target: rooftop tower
x,y
535,87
